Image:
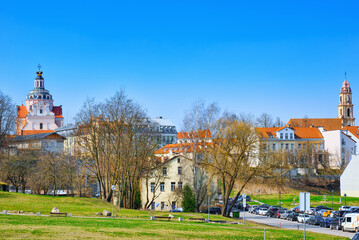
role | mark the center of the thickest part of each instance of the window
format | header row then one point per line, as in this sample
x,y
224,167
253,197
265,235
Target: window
x,y
178,160
180,185
162,186
273,146
348,112
153,206
164,171
286,146
286,135
292,146
304,146
321,146
179,170
173,186
281,146
162,205
343,141
40,110
173,205
299,146
316,147
152,186
41,125
281,135
31,108
291,136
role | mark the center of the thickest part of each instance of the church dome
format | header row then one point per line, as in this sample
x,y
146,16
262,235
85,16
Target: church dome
x,y
345,87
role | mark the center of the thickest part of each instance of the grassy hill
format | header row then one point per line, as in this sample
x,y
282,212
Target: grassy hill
x,y
130,224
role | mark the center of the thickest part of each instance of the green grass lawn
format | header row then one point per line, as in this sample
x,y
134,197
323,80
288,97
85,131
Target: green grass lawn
x,y
315,200
30,227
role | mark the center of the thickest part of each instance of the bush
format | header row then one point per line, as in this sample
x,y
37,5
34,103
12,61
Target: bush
x,y
188,202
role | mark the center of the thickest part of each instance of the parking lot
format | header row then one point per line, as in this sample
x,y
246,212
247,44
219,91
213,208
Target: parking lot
x,y
275,222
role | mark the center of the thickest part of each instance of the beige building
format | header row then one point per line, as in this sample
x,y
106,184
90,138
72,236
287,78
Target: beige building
x,y
162,190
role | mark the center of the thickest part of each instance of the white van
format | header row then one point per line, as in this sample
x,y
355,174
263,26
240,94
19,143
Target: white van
x,y
351,222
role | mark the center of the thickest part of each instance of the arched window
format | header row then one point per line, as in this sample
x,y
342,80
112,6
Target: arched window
x,y
340,99
40,110
30,107
41,126
348,112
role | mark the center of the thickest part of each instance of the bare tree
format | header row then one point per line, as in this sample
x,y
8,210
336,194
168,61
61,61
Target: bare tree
x,y
7,117
116,145
197,121
234,158
265,120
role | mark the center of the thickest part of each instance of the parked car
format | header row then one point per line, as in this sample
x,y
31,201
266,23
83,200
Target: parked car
x,y
327,221
263,211
356,237
303,218
339,213
351,222
336,224
212,210
327,213
343,208
315,220
292,216
285,213
251,209
272,211
295,209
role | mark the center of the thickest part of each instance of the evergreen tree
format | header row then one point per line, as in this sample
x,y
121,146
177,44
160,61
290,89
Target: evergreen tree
x,y
188,202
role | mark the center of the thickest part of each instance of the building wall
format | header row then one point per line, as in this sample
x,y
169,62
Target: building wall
x,y
168,196
350,178
339,146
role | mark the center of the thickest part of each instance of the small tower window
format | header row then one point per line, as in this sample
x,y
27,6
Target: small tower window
x,y
348,112
40,110
41,125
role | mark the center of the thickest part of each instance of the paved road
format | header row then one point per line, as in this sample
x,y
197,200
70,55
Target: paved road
x,y
275,222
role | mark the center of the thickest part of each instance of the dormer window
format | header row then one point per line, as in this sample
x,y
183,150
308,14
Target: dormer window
x,y
281,135
286,135
291,136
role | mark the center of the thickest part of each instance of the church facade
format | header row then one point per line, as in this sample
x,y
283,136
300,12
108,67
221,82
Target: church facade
x,y
39,115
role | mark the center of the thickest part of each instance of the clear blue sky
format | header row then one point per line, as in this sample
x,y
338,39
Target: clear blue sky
x,y
286,58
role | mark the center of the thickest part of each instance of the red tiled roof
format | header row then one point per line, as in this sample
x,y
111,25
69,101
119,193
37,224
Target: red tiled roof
x,y
328,123
195,134
353,130
29,132
299,132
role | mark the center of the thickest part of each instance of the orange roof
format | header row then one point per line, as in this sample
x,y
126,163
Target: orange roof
x,y
353,130
21,111
180,148
29,132
328,123
59,116
299,132
195,134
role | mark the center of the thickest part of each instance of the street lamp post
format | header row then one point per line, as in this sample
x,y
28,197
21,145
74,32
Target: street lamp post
x,y
279,198
345,199
332,198
259,194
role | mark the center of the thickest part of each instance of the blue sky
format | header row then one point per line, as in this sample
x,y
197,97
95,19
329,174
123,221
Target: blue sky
x,y
286,58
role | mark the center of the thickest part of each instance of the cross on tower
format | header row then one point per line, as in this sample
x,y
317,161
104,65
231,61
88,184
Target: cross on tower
x,y
345,75
39,66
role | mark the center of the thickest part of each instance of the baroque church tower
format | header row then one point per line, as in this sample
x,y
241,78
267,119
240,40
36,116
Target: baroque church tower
x,y
39,115
345,108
